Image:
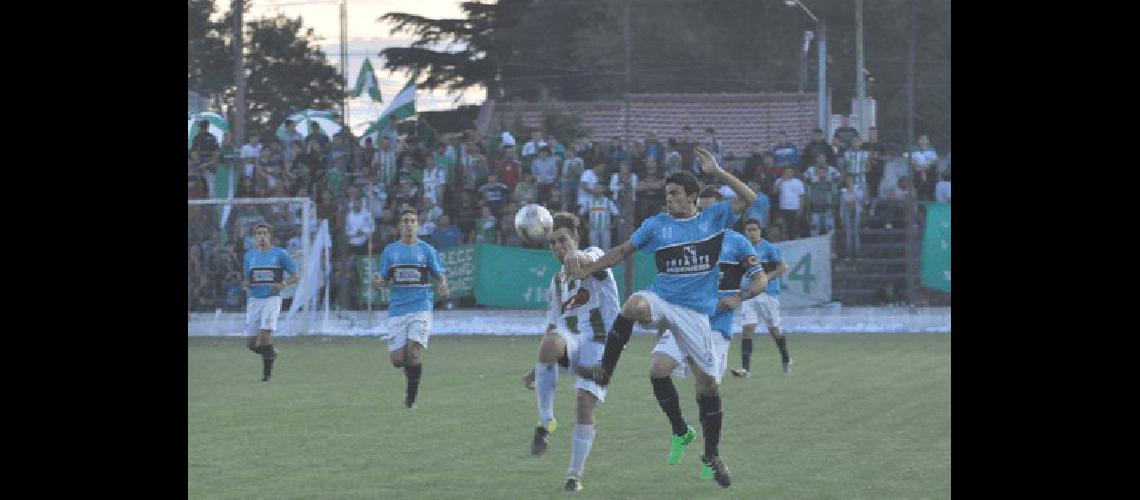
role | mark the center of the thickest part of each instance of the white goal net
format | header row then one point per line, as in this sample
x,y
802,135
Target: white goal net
x,y
219,232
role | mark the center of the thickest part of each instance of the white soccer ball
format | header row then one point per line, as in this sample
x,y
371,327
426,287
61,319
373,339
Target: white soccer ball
x,y
533,223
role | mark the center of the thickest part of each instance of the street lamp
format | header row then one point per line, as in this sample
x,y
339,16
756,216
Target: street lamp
x,y
821,28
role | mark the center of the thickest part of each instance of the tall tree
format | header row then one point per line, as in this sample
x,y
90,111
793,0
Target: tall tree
x,y
286,71
460,53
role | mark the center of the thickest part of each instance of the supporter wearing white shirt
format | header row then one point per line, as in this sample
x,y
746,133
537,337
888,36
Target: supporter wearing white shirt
x,y
588,182
942,189
791,202
358,225
249,154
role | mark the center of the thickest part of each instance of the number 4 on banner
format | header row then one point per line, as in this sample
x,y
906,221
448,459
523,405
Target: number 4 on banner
x,y
806,276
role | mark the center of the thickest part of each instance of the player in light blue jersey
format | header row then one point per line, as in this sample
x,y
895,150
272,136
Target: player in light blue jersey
x,y
765,306
686,246
737,261
407,264
263,271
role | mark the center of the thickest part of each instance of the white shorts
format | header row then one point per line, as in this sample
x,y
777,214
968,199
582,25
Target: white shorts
x,y
763,306
584,352
694,336
667,345
413,326
261,314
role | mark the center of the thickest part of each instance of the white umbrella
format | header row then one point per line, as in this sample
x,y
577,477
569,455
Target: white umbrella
x,y
301,120
218,126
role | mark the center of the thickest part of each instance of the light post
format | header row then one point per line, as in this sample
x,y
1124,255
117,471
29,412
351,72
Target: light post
x,y
821,28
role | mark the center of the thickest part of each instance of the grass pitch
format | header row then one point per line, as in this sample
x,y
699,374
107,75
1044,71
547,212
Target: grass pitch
x,y
861,416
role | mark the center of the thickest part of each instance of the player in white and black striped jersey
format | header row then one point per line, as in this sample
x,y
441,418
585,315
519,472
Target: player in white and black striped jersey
x,y
580,313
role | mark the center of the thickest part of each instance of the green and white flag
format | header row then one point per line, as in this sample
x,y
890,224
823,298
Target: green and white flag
x,y
402,106
366,82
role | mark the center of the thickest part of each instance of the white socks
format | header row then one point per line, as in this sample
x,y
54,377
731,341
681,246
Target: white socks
x,y
545,383
583,440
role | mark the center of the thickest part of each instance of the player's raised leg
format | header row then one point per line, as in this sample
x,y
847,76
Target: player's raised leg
x,y
546,384
635,309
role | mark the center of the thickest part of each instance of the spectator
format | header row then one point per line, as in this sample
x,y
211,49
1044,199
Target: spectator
x,y
942,189
844,134
427,224
856,162
712,143
245,188
446,235
623,183
554,204
358,227
685,147
249,155
590,184
424,134
494,193
531,148
525,191
408,191
445,156
204,149
653,148
475,172
876,154
752,163
851,200
507,234
509,168
814,148
289,136
822,197
767,173
922,157
791,191
485,227
637,158
784,152
617,153
893,203
195,188
572,169
822,166
650,193
317,144
468,212
545,170
674,162
390,130
599,213
435,179
557,149
384,161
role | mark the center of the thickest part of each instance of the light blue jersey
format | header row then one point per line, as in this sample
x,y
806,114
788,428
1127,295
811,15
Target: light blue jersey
x,y
737,261
686,252
263,269
759,209
407,267
769,257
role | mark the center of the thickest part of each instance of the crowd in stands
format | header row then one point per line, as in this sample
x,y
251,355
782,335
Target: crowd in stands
x,y
466,188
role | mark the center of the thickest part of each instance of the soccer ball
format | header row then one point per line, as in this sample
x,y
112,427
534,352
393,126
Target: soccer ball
x,y
532,223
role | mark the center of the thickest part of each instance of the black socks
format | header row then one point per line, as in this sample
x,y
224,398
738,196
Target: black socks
x,y
666,394
616,341
710,422
413,374
746,353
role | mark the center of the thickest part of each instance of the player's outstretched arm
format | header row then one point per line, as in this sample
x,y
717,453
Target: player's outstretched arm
x,y
744,195
580,269
779,271
756,287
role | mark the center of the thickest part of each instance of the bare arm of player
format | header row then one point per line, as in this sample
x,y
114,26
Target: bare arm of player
x,y
293,278
779,271
580,269
759,283
744,195
443,291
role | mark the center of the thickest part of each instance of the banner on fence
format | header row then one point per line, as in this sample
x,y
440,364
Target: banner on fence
x,y
808,279
936,247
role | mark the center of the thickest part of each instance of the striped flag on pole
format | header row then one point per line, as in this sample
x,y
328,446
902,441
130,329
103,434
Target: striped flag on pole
x,y
402,106
366,82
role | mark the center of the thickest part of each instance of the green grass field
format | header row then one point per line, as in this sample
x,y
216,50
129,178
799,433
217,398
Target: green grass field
x,y
862,416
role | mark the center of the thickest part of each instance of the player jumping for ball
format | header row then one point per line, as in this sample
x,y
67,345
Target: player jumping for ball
x,y
262,270
407,264
686,246
580,313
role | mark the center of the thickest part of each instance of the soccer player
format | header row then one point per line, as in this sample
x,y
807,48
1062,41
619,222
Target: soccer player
x,y
686,246
766,305
407,264
262,270
737,261
580,313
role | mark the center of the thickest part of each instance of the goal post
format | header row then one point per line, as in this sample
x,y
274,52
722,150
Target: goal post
x,y
219,232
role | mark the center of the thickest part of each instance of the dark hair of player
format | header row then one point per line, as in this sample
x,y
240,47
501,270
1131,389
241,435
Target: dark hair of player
x,y
408,211
266,226
711,192
566,220
753,221
686,180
